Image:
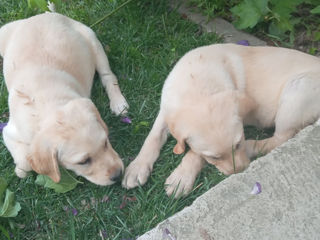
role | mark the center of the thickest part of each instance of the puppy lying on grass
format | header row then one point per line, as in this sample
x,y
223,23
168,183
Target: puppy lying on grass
x,y
49,62
212,92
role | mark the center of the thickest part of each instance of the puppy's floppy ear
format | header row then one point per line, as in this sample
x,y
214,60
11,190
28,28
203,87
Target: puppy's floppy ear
x,y
98,116
44,157
246,104
80,103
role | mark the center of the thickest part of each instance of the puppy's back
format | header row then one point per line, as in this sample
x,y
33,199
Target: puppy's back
x,y
48,40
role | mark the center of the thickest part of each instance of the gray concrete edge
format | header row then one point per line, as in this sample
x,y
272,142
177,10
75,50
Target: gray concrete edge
x,y
229,211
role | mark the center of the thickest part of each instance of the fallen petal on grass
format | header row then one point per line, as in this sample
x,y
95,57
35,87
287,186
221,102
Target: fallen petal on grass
x,y
103,234
256,189
243,42
2,125
126,120
74,212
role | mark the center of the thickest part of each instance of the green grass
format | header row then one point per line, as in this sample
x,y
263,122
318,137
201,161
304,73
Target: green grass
x,y
144,40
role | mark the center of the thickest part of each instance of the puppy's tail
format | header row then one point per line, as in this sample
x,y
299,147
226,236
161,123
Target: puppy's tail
x,y
51,6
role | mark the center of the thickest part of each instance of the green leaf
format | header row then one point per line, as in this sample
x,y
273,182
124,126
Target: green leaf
x,y
8,207
3,186
250,13
139,125
5,232
317,36
66,184
313,51
40,4
316,10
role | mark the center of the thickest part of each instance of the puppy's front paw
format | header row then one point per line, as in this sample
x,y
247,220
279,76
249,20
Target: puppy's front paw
x,y
20,173
179,183
251,148
119,105
136,174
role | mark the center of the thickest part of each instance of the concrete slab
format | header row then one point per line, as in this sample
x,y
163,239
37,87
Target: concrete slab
x,y
217,25
287,208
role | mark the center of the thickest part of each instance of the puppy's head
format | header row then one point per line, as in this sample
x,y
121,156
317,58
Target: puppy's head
x,y
213,128
76,137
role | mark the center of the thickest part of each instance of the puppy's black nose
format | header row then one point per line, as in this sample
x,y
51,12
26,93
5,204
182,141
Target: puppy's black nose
x,y
116,175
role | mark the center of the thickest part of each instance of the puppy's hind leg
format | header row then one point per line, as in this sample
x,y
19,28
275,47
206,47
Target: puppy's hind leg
x,y
139,170
298,107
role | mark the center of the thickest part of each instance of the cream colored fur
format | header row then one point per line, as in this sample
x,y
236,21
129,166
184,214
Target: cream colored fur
x,y
212,92
49,62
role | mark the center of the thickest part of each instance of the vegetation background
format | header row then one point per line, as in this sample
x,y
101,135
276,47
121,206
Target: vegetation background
x,y
289,23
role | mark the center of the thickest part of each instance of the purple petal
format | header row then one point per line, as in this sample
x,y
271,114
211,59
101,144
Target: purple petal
x,y
256,188
2,125
126,120
103,234
74,212
167,234
243,42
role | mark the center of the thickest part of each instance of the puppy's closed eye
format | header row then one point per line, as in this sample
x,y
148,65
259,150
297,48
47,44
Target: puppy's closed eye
x,y
106,144
237,146
87,160
212,157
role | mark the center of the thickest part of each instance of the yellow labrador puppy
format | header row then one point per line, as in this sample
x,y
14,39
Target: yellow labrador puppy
x,y
212,92
49,62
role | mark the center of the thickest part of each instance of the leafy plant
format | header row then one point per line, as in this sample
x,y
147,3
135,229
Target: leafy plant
x,y
282,20
42,5
8,207
316,10
213,8
279,16
66,184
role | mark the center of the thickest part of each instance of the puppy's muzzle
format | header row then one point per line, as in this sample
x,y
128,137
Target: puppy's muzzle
x,y
116,175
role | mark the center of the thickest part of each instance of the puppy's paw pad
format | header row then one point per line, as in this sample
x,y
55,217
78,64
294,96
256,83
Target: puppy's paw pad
x,y
20,173
136,174
178,183
119,106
